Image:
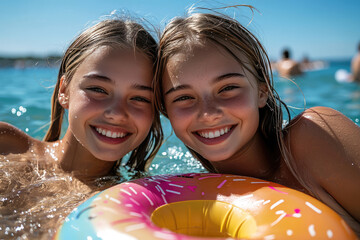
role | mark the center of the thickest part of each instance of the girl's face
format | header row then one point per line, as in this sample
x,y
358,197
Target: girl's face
x,y
109,102
212,101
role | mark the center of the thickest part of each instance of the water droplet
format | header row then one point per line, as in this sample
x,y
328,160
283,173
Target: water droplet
x,y
22,109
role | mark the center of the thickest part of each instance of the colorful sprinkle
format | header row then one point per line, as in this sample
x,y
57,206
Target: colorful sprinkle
x,y
115,200
278,220
135,227
192,188
146,196
313,207
277,190
329,233
135,214
269,237
163,197
133,190
213,176
276,204
134,201
171,191
239,179
166,236
175,185
312,230
222,184
124,191
161,190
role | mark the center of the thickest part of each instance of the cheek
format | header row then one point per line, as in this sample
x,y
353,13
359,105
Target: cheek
x,y
143,118
244,103
180,118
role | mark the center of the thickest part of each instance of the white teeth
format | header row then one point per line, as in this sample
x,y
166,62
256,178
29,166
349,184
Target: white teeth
x,y
214,134
110,134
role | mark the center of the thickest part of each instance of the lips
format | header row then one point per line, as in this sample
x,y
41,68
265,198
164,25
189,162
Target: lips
x,y
111,136
214,136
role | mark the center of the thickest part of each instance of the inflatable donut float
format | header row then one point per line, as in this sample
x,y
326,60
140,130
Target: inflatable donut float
x,y
198,206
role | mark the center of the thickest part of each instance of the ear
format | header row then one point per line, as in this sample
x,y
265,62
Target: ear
x,y
63,94
263,95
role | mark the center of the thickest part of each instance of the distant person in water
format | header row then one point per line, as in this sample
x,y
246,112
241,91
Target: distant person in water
x,y
355,66
287,67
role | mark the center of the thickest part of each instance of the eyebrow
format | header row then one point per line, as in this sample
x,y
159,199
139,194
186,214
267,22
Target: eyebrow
x,y
218,79
97,76
106,79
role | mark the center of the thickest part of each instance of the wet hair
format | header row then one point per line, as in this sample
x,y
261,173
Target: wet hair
x,y
117,33
181,35
286,54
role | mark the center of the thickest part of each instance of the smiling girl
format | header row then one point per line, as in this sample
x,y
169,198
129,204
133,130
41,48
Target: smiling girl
x,y
214,83
104,83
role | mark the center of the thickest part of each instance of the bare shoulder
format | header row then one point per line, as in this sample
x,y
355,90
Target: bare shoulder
x,y
326,143
13,140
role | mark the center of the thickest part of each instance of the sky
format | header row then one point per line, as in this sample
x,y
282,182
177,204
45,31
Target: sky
x,y
317,29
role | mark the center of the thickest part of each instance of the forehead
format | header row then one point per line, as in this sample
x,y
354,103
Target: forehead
x,y
209,60
117,63
107,57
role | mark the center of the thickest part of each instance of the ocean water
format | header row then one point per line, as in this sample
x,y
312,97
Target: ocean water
x,y
25,102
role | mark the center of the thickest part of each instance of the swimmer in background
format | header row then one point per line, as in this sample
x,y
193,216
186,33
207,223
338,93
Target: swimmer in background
x,y
355,66
214,83
287,67
104,83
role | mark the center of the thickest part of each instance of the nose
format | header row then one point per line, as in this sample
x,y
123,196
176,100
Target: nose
x,y
210,110
116,110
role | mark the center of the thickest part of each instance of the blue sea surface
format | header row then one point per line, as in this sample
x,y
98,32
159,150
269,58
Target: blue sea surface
x,y
25,102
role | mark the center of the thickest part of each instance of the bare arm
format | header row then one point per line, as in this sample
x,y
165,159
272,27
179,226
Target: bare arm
x,y
13,140
327,143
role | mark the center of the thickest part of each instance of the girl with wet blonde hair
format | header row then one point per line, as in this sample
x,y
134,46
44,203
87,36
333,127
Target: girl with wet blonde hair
x,y
214,83
104,83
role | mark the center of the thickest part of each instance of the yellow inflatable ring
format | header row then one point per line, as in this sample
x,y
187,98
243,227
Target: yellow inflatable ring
x,y
197,206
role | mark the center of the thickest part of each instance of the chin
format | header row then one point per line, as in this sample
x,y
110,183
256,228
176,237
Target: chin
x,y
108,158
216,157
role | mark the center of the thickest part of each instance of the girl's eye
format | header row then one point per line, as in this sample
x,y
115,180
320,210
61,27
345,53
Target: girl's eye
x,y
183,98
141,99
228,88
97,90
